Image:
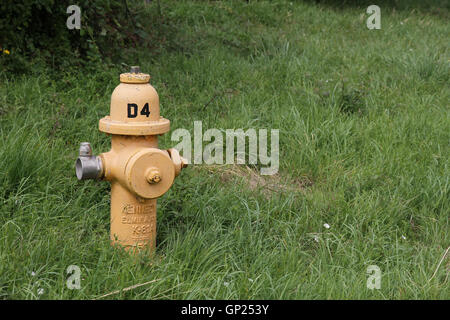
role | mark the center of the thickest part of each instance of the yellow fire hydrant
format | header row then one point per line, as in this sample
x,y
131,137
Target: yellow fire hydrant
x,y
139,172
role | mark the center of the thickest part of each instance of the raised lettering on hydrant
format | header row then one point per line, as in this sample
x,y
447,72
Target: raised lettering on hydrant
x,y
139,172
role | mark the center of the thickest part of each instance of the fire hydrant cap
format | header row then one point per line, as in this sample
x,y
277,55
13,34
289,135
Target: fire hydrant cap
x,y
137,173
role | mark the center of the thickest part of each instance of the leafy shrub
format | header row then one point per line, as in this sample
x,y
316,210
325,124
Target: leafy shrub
x,y
33,30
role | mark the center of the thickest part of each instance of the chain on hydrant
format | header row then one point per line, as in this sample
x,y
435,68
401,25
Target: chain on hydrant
x,y
139,172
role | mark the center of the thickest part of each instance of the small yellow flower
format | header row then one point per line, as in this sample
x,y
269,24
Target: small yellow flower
x,y
6,51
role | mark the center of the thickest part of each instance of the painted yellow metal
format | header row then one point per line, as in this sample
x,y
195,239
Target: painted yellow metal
x,y
139,172
132,77
134,108
178,160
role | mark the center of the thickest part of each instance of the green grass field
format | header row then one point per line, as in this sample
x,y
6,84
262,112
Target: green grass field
x,y
364,147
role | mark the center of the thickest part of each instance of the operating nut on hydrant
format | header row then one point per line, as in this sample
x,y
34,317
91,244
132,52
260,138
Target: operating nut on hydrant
x,y
153,175
138,171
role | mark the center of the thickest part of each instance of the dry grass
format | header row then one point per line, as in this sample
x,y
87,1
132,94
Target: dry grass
x,y
268,185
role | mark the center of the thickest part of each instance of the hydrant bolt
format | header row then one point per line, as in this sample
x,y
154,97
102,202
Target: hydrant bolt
x,y
153,176
135,69
85,149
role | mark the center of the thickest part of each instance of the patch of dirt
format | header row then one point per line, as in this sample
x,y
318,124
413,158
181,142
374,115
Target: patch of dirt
x,y
268,185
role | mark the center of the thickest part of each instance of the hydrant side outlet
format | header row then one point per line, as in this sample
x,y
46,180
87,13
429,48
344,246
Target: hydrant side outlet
x,y
138,171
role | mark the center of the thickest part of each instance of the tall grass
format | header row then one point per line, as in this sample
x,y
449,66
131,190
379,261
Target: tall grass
x,y
364,149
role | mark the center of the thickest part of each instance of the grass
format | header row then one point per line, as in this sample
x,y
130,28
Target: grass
x,y
364,147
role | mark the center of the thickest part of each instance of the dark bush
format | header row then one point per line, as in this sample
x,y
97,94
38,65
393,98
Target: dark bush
x,y
36,29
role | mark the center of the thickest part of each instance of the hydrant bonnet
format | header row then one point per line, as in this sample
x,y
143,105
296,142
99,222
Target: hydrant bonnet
x,y
134,108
